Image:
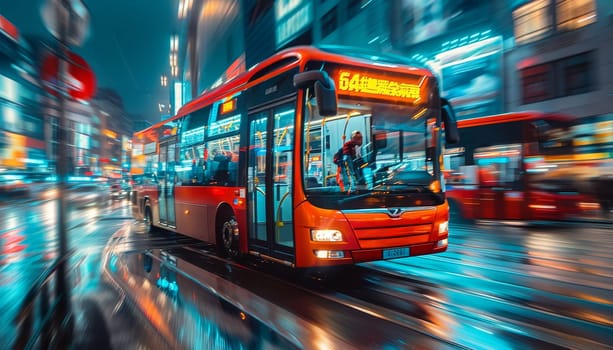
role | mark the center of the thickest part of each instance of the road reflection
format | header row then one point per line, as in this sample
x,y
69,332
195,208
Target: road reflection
x,y
538,286
194,297
29,244
186,312
522,288
496,287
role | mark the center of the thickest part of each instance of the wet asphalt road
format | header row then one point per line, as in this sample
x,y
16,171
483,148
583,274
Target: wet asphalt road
x,y
497,287
29,244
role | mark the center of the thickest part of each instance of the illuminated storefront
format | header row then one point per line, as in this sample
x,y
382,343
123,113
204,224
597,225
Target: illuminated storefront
x,y
462,45
471,75
22,145
561,57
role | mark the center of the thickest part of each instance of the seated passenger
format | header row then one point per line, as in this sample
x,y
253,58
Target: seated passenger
x,y
221,175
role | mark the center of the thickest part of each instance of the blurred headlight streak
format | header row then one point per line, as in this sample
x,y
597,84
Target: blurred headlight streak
x,y
589,206
10,88
323,340
542,206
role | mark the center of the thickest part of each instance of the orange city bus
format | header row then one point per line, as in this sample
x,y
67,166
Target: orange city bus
x,y
249,166
517,166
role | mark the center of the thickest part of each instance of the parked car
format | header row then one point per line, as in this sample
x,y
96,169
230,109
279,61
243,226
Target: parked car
x,y
119,191
88,194
13,185
49,192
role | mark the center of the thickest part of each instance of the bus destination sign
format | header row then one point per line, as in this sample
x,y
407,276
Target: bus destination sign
x,y
366,84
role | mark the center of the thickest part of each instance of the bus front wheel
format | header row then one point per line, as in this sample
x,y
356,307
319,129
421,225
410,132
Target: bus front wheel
x,y
228,238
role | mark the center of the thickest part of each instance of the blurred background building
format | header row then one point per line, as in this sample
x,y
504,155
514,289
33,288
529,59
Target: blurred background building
x,y
98,130
139,123
22,138
115,134
490,57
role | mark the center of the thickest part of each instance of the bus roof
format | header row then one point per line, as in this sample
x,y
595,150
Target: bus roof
x,y
514,117
290,58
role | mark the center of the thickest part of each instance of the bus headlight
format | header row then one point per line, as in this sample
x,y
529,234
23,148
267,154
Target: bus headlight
x,y
329,254
443,227
326,235
442,243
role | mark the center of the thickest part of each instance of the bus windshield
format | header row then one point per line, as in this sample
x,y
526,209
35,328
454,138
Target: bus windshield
x,y
395,153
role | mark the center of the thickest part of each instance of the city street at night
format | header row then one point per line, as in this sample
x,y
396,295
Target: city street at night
x,y
497,287
306,174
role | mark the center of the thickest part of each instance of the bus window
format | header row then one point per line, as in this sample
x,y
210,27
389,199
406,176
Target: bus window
x,y
192,165
221,166
498,165
313,159
454,162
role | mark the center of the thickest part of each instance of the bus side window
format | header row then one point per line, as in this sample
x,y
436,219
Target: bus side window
x,y
499,165
469,174
222,163
192,165
454,161
232,173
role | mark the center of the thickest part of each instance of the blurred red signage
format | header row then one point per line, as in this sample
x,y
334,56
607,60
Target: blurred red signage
x,y
80,79
8,28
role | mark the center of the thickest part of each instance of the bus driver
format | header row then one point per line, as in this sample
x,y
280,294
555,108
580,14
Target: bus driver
x,y
351,170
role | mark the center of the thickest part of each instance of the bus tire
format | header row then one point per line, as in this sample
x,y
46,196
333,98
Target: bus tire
x,y
148,220
227,237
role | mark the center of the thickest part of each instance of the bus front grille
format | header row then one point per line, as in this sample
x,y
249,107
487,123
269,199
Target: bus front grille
x,y
383,237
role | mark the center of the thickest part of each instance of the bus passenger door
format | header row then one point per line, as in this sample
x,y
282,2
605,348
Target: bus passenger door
x,y
499,169
166,183
491,202
270,182
257,169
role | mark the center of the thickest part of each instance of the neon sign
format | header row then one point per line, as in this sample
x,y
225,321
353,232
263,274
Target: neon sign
x,y
362,84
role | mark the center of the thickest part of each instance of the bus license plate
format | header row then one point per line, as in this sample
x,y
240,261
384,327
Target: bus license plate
x,y
395,253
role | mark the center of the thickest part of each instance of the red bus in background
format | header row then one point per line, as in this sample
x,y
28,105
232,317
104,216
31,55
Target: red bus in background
x,y
249,165
520,166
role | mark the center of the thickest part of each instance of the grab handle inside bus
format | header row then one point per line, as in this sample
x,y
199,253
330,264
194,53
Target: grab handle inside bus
x,y
325,91
452,135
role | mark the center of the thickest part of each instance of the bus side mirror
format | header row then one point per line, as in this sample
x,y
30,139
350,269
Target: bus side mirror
x,y
452,135
325,91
